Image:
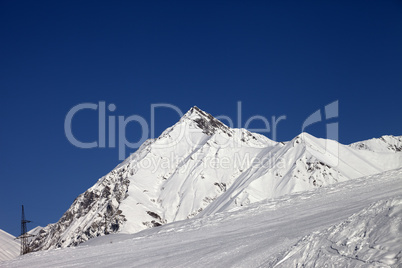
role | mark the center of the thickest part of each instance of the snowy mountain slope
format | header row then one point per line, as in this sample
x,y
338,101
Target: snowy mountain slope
x,y
302,164
9,247
257,235
34,232
199,166
387,143
171,178
371,237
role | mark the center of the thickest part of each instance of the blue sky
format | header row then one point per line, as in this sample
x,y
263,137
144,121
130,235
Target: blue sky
x,y
276,57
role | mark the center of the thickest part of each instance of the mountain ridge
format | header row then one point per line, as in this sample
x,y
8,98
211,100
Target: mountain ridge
x,y
198,167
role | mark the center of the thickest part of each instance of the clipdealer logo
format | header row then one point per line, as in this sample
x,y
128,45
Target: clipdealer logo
x,y
112,128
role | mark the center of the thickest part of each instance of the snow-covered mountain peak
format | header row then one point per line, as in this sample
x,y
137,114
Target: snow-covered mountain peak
x,y
205,121
200,166
195,112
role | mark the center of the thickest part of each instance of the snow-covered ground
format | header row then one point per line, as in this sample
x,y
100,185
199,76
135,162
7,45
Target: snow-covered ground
x,y
9,247
356,223
371,237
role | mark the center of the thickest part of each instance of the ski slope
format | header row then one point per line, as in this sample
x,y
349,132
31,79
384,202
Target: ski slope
x,y
371,237
361,215
9,247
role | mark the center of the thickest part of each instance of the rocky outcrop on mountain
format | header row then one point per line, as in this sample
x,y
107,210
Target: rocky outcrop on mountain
x,y
93,213
387,143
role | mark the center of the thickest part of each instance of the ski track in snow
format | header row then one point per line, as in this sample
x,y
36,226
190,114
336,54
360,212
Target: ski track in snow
x,y
370,238
263,234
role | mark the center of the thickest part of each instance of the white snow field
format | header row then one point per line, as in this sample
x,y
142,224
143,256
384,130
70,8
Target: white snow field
x,y
357,223
9,247
34,232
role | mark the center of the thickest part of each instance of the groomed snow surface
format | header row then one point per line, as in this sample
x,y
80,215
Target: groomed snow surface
x,y
9,247
357,223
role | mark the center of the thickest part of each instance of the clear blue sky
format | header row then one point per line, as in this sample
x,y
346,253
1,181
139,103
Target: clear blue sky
x,y
277,57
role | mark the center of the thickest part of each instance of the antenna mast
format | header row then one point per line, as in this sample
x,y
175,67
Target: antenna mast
x,y
24,235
